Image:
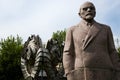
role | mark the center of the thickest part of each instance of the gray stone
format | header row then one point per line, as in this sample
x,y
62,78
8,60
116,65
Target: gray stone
x,y
89,52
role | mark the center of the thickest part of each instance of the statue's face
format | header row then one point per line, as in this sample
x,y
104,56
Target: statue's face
x,y
87,11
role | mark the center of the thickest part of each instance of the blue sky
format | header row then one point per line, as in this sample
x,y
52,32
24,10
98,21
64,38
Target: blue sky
x,y
43,17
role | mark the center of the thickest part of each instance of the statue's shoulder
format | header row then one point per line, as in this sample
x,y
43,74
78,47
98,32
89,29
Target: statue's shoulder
x,y
103,25
72,28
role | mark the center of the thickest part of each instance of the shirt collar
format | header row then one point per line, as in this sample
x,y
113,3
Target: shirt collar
x,y
87,23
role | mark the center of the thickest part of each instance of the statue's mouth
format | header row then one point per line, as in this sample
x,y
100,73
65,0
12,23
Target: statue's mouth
x,y
89,14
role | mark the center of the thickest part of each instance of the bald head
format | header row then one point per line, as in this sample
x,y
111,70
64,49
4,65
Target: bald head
x,y
87,4
87,11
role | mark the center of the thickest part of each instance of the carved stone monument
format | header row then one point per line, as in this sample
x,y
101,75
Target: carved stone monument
x,y
30,57
38,62
89,52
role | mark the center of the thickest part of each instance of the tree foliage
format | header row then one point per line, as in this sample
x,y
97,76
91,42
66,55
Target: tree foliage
x,y
59,35
119,51
10,53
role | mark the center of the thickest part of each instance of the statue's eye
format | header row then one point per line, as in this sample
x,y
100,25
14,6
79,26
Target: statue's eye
x,y
92,8
88,8
85,9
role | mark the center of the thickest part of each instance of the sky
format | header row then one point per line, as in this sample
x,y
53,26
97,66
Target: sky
x,y
43,17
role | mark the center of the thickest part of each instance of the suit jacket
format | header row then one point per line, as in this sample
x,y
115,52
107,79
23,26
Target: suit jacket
x,y
89,48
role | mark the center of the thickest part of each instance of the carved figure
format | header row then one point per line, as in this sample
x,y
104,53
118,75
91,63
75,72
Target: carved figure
x,y
35,59
89,52
30,57
56,50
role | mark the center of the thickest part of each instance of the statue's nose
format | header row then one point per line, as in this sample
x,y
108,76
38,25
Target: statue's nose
x,y
89,9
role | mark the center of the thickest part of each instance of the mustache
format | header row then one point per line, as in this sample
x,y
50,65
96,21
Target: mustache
x,y
89,14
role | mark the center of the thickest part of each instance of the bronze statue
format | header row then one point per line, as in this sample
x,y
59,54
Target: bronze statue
x,y
89,52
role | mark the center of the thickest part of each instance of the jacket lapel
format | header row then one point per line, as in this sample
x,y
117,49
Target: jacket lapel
x,y
93,31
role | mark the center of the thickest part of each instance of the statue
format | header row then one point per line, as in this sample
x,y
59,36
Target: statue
x,y
89,51
54,49
30,57
36,60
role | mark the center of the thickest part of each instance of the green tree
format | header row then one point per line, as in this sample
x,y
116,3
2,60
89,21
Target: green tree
x,y
118,46
59,35
10,54
119,51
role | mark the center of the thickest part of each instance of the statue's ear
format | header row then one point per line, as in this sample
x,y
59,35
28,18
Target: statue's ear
x,y
79,13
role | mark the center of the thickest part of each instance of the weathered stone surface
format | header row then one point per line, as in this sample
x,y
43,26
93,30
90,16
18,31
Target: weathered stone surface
x,y
39,62
89,52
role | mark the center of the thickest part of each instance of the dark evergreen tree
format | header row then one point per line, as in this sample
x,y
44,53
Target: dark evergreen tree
x,y
10,54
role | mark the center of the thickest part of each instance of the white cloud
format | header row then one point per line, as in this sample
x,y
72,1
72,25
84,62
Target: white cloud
x,y
43,17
